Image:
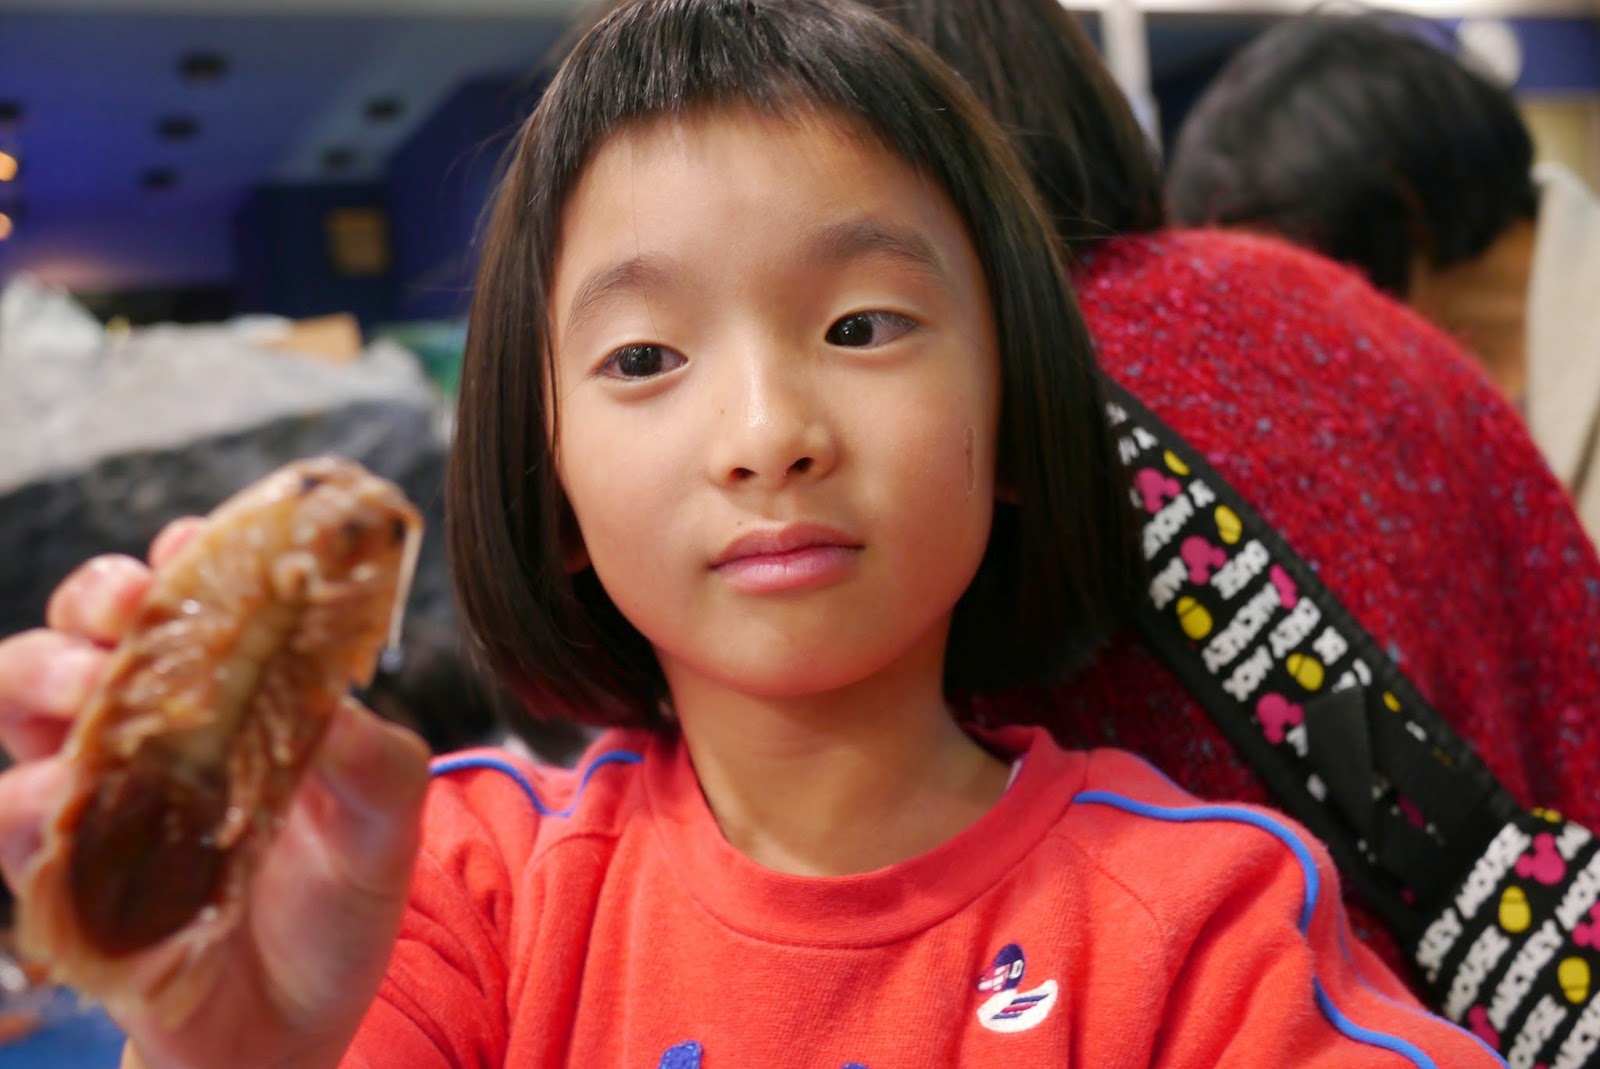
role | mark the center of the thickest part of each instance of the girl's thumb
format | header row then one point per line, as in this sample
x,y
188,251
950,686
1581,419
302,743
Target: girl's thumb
x,y
375,775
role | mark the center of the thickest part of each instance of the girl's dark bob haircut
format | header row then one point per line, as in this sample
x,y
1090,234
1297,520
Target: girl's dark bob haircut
x,y
1062,567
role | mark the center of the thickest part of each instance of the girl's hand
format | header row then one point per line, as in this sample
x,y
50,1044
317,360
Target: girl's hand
x,y
298,973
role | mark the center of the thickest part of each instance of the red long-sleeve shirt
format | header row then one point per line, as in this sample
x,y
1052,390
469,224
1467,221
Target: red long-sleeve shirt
x,y
1097,916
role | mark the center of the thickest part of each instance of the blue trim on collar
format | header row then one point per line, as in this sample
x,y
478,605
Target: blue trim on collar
x,y
447,765
1302,853
1232,814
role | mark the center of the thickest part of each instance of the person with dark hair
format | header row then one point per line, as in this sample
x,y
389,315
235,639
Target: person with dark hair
x,y
1093,165
779,430
431,687
1359,137
1365,437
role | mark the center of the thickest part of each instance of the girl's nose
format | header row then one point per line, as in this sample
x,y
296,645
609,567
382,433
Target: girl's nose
x,y
778,431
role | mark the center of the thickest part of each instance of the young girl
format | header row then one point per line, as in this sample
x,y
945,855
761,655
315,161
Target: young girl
x,y
779,429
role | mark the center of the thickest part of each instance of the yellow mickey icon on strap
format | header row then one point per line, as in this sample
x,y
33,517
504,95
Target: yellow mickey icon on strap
x,y
1229,529
1194,618
1515,913
1573,976
1177,465
1306,670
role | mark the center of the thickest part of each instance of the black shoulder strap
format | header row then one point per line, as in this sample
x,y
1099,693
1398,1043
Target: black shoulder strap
x,y
1497,904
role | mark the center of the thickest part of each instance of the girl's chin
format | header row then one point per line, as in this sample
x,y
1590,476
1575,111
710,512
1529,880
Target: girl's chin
x,y
793,678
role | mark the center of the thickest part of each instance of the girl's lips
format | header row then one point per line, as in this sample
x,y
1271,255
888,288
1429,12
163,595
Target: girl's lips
x,y
780,559
805,568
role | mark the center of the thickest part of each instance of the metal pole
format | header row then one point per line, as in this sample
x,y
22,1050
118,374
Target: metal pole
x,y
1126,42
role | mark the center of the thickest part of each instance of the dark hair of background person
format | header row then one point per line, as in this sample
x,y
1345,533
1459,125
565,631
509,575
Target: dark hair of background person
x,y
437,691
1354,136
1041,77
1062,566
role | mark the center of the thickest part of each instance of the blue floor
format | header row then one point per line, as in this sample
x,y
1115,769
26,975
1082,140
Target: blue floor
x,y
76,1037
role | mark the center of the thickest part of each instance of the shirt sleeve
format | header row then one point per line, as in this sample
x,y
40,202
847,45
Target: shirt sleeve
x,y
1267,976
443,999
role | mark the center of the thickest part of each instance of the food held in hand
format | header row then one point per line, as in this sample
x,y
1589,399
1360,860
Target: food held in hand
x,y
186,758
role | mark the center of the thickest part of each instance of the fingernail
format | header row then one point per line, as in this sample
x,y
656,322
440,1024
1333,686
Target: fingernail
x,y
377,777
17,847
376,769
346,759
103,601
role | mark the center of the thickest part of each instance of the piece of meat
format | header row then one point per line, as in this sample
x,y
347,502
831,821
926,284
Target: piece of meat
x,y
185,759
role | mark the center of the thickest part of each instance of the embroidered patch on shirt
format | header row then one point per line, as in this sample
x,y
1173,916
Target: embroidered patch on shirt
x,y
1007,1008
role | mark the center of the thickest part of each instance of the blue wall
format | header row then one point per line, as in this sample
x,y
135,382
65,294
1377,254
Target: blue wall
x,y
1559,55
439,182
284,263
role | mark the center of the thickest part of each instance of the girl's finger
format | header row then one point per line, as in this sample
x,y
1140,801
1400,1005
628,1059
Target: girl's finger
x,y
339,873
173,537
46,677
28,793
99,599
376,775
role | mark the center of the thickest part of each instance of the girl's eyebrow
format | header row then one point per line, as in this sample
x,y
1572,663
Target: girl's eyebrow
x,y
636,274
841,242
833,244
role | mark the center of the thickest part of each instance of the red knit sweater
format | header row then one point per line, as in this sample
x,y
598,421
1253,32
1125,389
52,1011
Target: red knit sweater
x,y
1391,465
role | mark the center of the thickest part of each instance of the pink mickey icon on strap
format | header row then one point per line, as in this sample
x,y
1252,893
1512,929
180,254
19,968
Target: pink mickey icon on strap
x,y
1478,1021
1201,557
1587,934
1542,863
1155,488
1277,714
1288,593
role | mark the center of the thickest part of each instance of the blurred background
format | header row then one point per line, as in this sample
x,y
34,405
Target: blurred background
x,y
192,160
237,231
234,232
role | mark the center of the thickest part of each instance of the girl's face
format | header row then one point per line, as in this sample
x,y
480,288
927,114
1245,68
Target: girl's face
x,y
778,389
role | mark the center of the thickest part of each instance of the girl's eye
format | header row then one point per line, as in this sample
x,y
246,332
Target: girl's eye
x,y
863,330
641,362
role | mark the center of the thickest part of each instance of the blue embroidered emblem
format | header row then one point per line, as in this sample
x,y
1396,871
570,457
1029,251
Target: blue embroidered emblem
x,y
687,1056
1008,1009
683,1056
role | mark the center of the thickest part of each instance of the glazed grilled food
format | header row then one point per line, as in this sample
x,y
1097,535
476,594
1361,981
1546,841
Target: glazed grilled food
x,y
184,762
